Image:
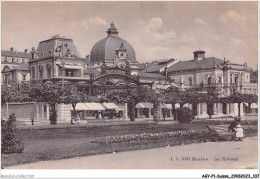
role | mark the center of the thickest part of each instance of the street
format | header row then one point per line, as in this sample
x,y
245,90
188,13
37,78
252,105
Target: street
x,y
210,155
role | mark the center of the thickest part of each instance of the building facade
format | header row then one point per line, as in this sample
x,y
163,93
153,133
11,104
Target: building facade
x,y
14,66
112,64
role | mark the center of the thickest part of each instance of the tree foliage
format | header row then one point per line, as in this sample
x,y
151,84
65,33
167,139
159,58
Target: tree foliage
x,y
48,92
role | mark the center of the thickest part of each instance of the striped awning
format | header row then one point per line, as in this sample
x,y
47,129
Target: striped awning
x,y
81,107
144,105
110,106
168,106
94,106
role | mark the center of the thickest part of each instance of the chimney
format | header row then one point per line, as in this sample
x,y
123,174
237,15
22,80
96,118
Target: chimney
x,y
12,49
26,51
199,55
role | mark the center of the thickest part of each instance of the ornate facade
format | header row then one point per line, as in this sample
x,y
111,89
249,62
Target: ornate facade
x,y
112,64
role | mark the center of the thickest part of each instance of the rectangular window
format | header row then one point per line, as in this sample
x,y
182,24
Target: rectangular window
x,y
24,77
13,60
231,78
22,60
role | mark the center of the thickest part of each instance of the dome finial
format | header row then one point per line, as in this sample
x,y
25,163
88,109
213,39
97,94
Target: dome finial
x,y
112,31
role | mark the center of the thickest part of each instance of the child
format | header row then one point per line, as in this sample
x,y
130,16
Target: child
x,y
239,130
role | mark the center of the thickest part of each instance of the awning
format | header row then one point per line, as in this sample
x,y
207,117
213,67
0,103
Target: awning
x,y
120,108
94,106
169,106
110,106
81,107
144,105
163,106
253,105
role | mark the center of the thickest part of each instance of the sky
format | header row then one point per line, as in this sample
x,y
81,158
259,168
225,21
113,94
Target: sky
x,y
156,30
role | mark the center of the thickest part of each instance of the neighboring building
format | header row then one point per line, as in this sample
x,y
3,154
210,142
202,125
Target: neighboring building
x,y
15,74
222,75
56,59
10,62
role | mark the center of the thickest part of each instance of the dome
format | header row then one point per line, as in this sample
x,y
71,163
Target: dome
x,y
105,49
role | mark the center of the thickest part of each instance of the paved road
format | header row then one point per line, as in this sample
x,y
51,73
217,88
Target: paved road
x,y
211,155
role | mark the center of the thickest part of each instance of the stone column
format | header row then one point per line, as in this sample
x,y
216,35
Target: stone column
x,y
42,112
215,108
137,111
227,108
232,108
126,112
204,109
37,111
242,109
47,112
149,112
220,109
198,109
171,115
99,115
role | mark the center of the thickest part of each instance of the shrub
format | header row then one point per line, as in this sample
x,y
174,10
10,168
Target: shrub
x,y
11,141
184,115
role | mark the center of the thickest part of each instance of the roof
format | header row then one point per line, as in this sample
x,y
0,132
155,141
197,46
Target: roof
x,y
164,61
151,75
155,66
105,49
151,67
195,64
59,46
22,67
14,54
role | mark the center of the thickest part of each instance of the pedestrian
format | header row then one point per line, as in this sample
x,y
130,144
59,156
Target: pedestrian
x,y
239,130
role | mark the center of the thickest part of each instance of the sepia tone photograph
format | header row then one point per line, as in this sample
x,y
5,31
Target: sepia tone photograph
x,y
129,85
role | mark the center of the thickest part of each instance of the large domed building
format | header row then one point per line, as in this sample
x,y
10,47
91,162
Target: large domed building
x,y
111,49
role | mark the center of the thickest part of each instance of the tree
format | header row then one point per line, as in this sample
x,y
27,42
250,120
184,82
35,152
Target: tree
x,y
72,95
237,98
48,92
13,94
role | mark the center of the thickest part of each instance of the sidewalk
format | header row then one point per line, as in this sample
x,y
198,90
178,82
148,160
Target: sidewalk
x,y
211,155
